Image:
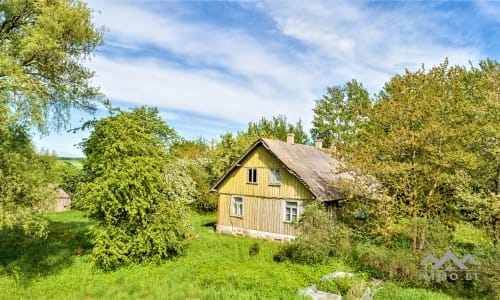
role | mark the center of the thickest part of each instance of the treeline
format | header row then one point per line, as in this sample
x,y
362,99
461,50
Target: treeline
x,y
425,154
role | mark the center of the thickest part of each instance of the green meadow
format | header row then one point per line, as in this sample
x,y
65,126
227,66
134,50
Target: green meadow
x,y
216,266
77,162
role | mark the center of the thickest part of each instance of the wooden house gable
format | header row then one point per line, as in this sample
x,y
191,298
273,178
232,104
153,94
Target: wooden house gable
x,y
264,162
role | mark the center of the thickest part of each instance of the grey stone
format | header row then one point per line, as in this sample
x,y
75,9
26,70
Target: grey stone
x,y
312,292
336,274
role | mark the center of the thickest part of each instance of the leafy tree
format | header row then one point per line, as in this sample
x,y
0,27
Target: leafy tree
x,y
340,113
193,155
43,47
423,136
477,191
24,181
277,128
231,147
134,189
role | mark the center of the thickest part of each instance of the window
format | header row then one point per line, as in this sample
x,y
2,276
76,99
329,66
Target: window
x,y
237,206
252,175
291,211
275,176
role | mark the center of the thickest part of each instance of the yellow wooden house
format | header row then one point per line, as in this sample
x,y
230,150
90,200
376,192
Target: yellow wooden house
x,y
265,191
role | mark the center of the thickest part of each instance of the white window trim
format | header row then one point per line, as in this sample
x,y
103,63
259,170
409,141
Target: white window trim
x,y
285,206
231,212
270,176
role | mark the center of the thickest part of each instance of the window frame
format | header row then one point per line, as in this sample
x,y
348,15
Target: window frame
x,y
252,176
278,182
234,212
290,214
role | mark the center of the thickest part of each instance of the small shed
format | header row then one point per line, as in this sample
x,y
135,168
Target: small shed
x,y
63,201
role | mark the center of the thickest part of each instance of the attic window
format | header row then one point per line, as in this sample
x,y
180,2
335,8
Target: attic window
x,y
252,175
275,176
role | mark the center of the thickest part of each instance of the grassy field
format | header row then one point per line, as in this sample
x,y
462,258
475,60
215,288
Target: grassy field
x,y
216,266
75,162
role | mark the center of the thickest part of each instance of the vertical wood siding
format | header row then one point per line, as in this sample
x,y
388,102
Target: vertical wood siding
x,y
262,214
263,205
263,161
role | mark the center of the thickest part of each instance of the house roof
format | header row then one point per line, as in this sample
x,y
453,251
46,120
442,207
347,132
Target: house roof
x,y
310,165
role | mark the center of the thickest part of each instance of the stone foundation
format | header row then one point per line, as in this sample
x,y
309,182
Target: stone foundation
x,y
255,233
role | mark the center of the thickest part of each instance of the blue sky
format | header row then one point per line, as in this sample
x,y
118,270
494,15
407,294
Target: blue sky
x,y
211,67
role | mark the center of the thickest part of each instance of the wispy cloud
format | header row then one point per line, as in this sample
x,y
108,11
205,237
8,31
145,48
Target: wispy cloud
x,y
220,72
212,67
370,42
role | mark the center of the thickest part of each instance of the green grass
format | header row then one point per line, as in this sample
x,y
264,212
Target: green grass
x,y
75,162
394,292
216,266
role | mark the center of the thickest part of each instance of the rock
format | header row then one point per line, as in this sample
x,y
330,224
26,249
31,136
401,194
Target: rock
x,y
336,274
312,292
375,286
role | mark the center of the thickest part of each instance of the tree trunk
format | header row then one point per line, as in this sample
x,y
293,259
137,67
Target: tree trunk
x,y
498,177
415,232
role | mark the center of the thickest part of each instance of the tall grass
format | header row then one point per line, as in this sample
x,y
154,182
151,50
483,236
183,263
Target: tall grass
x,y
216,266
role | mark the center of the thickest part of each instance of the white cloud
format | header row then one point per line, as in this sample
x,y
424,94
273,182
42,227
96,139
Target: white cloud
x,y
357,41
490,9
226,73
229,74
207,77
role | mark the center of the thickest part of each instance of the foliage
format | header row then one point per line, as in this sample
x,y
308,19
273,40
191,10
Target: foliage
x,y
194,157
254,249
71,178
44,46
392,264
277,128
339,286
340,114
215,266
136,193
231,147
319,238
424,135
24,181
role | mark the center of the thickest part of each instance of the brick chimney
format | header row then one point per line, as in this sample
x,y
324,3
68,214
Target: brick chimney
x,y
319,144
290,138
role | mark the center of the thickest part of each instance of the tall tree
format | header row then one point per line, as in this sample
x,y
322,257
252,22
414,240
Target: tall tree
x,y
424,138
24,181
231,147
277,128
136,192
340,113
43,47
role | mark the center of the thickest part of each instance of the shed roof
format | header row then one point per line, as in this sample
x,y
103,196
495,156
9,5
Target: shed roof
x,y
310,165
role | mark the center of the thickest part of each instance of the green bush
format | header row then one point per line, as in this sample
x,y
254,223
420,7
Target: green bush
x,y
254,249
319,238
137,192
398,265
284,253
339,286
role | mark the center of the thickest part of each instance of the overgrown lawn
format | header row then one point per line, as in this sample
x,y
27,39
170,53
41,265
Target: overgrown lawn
x,y
216,266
